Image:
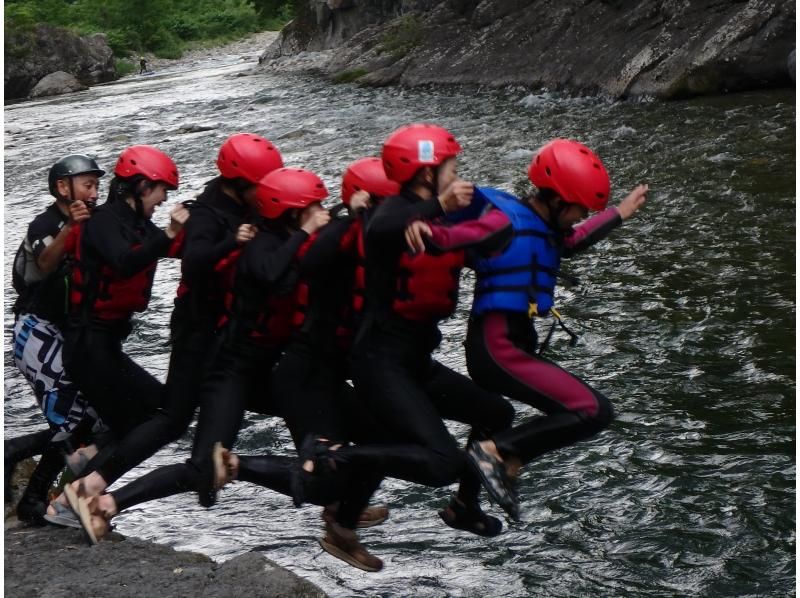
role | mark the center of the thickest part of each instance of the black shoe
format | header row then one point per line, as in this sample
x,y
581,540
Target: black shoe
x,y
31,510
500,487
470,518
20,448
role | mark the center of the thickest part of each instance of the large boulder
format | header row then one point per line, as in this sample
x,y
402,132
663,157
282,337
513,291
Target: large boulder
x,y
32,54
55,84
662,48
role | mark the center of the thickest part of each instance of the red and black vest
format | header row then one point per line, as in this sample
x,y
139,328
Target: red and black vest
x,y
269,321
427,285
97,291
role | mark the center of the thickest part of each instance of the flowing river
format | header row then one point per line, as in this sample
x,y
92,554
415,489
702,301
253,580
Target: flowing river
x,y
686,315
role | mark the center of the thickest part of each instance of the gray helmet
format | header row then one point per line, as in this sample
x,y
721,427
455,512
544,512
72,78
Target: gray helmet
x,y
70,166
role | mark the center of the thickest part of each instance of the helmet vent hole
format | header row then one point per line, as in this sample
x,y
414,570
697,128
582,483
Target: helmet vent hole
x,y
596,165
405,160
233,162
256,140
133,162
319,185
275,200
547,170
600,195
583,151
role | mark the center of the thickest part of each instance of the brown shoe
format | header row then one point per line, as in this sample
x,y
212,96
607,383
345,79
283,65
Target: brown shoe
x,y
343,544
370,517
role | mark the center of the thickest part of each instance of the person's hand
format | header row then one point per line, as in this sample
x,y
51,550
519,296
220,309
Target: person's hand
x,y
177,218
312,221
78,212
457,196
245,233
633,202
415,235
360,200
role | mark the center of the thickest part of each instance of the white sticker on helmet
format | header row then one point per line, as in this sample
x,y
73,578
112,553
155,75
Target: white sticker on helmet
x,y
425,148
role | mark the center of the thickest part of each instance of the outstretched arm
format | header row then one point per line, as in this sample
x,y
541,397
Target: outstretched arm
x,y
599,226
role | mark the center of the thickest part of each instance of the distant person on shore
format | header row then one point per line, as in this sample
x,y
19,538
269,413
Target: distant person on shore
x,y
142,65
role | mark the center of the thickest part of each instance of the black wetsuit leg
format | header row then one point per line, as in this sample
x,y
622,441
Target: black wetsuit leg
x,y
120,390
500,356
193,346
459,399
238,379
390,373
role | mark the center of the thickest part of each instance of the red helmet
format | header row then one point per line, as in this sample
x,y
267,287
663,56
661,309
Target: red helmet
x,y
149,162
573,171
411,147
287,188
248,156
367,174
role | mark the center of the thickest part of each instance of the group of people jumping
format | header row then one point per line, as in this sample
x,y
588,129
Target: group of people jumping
x,y
324,317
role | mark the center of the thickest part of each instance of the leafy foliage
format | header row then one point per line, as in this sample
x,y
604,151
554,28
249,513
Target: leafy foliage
x,y
163,27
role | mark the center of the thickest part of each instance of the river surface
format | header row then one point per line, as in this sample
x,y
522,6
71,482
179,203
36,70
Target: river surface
x,y
687,316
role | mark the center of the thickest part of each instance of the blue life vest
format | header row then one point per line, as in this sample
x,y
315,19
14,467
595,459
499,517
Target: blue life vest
x,y
525,272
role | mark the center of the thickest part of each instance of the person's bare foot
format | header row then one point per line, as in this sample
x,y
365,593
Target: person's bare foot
x,y
226,466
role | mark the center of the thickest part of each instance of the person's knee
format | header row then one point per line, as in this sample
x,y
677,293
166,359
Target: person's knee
x,y
603,414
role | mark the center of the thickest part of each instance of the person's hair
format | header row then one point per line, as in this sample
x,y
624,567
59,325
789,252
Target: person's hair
x,y
544,195
238,184
122,188
418,178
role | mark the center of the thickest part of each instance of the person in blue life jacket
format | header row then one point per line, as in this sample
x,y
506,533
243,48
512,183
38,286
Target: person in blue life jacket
x,y
39,278
516,265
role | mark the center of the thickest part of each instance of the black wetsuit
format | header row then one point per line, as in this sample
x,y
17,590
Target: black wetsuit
x,y
210,235
310,382
407,391
121,391
239,376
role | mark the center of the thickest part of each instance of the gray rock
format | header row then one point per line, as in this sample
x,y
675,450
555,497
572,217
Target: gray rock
x,y
128,568
661,48
55,84
195,128
30,55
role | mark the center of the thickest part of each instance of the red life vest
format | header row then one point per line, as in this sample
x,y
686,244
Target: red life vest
x,y
427,285
273,324
102,292
302,291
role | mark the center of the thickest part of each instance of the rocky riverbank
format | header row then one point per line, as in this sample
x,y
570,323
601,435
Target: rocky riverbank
x,y
57,562
34,57
663,48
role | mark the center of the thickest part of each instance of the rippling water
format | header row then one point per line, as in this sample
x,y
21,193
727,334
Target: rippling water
x,y
687,319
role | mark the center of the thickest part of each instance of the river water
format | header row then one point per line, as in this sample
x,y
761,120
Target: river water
x,y
687,317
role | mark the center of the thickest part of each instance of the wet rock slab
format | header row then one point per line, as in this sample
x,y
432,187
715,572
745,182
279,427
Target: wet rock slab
x,y
58,563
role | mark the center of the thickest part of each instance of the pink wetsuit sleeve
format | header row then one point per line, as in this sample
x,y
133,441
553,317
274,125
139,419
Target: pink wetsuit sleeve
x,y
593,230
490,232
